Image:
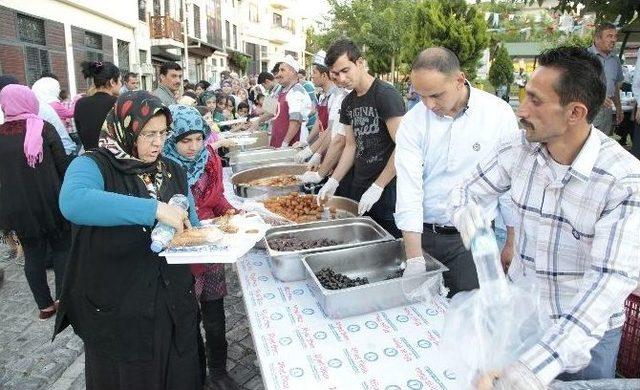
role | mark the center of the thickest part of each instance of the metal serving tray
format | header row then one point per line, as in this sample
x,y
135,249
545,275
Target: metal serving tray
x,y
240,161
239,180
262,142
287,266
375,262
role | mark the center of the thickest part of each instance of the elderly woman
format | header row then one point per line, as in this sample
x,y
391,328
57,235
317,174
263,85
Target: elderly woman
x,y
32,165
136,314
188,147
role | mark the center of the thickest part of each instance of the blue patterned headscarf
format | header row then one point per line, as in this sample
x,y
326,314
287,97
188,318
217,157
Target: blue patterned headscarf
x,y
187,120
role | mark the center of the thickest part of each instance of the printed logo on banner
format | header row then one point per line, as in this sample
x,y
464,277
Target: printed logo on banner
x,y
371,324
432,312
263,278
393,387
308,311
320,335
269,296
334,363
285,340
257,263
391,352
414,384
353,328
298,291
318,366
296,372
424,343
371,356
449,374
276,316
402,318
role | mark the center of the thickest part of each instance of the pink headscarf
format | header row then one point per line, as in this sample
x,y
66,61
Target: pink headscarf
x,y
19,102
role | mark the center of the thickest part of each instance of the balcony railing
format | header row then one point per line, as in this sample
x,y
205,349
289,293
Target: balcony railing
x,y
165,27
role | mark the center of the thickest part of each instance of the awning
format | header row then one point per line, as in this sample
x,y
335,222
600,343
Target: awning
x,y
202,48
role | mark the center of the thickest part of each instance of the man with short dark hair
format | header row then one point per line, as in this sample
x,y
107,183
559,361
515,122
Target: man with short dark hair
x,y
577,202
129,83
265,83
439,142
169,83
604,41
370,114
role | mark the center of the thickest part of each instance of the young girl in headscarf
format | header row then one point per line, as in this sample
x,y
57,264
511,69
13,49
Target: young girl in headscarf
x,y
188,146
32,165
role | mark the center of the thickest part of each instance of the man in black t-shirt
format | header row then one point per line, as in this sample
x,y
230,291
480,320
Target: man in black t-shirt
x,y
370,114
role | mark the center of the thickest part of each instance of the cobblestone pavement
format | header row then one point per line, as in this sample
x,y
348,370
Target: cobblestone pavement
x,y
29,360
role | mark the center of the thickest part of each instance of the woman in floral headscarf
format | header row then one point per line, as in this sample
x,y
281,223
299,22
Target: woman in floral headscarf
x,y
136,314
188,147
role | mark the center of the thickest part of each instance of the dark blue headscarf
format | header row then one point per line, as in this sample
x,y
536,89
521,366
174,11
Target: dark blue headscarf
x,y
187,120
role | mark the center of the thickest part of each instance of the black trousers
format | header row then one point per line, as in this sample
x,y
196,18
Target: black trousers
x,y
167,370
37,253
449,250
213,322
382,210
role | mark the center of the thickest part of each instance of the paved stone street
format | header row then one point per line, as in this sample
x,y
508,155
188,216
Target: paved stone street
x,y
29,360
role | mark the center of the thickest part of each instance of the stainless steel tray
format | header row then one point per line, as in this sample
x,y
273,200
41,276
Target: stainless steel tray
x,y
240,179
287,266
375,262
345,208
240,161
262,142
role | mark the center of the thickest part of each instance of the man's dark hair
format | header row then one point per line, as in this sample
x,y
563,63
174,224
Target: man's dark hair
x,y
340,47
189,87
225,74
129,75
603,27
204,84
276,67
167,66
49,74
581,77
264,76
242,105
302,72
321,69
439,59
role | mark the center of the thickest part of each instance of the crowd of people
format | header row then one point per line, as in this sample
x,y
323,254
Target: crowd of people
x,y
90,177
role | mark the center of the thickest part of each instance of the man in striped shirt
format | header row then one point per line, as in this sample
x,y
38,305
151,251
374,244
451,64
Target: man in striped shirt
x,y
576,196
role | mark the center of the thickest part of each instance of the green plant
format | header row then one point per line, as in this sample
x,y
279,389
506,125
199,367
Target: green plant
x,y
239,61
501,70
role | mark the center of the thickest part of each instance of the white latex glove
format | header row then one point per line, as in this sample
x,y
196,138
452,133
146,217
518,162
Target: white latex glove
x,y
299,144
303,155
516,376
468,221
311,177
315,160
369,198
415,266
328,189
284,145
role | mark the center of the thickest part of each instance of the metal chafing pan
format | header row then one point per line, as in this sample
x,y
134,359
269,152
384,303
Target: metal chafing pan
x,y
351,232
262,142
375,262
240,179
240,161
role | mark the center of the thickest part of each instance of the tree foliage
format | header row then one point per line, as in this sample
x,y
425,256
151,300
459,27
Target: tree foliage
x,y
501,70
605,10
451,24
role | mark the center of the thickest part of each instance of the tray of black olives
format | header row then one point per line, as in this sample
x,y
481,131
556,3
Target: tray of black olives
x,y
366,278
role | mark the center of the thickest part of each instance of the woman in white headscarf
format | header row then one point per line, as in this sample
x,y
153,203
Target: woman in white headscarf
x,y
47,89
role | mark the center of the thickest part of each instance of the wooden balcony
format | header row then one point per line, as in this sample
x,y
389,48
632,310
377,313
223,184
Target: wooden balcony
x,y
165,27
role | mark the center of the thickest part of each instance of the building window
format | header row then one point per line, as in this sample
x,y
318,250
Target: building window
x,y
37,63
235,37
156,8
227,29
93,40
253,13
196,21
142,10
263,52
143,56
94,56
123,56
277,20
31,30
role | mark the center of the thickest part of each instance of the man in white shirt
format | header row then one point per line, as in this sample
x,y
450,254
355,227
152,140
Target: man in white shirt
x,y
439,142
328,123
576,196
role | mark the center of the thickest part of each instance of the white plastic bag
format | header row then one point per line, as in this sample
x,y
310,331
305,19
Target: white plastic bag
x,y
489,328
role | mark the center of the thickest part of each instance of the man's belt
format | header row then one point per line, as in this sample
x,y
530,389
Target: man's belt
x,y
441,229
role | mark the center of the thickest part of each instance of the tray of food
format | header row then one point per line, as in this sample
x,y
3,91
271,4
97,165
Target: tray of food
x,y
271,180
300,208
220,240
242,160
367,278
287,244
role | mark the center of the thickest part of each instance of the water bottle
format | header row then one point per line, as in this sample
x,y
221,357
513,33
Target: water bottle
x,y
486,257
162,234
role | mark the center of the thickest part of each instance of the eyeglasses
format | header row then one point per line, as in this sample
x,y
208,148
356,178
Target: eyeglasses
x,y
153,135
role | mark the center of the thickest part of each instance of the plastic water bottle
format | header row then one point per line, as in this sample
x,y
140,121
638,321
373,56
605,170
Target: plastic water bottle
x,y
486,257
162,234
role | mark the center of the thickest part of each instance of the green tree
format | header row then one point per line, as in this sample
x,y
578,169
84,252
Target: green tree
x,y
501,70
605,10
452,24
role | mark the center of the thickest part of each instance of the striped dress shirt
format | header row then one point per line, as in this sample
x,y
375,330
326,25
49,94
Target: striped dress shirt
x,y
577,239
